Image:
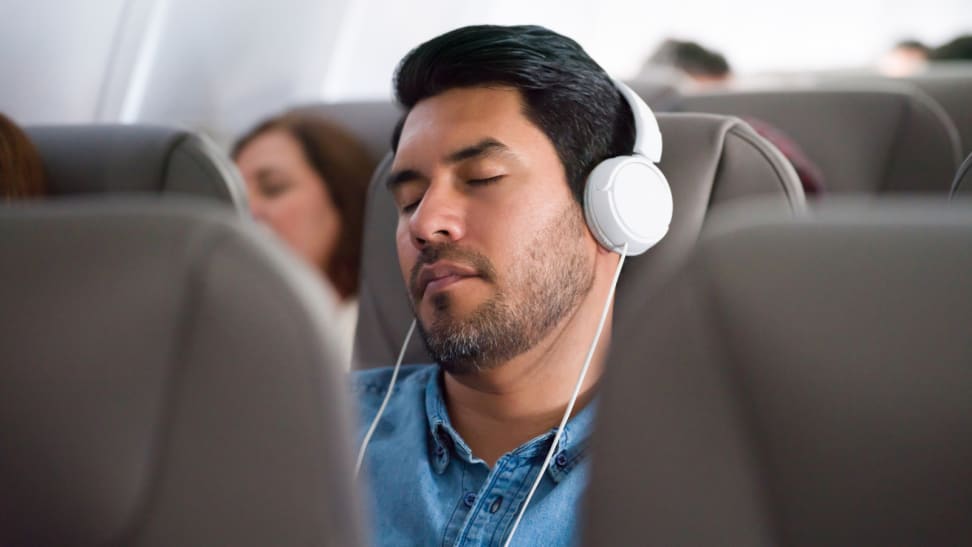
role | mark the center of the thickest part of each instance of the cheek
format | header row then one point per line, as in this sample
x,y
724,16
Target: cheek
x,y
407,253
284,212
307,222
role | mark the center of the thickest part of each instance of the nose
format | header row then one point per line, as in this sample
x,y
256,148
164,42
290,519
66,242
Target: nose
x,y
439,217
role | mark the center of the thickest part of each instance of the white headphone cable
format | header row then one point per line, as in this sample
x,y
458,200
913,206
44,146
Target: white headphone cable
x,y
573,398
384,402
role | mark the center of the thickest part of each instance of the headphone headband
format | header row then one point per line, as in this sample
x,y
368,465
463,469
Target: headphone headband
x,y
648,139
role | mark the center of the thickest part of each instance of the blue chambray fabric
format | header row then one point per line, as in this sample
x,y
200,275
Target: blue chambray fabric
x,y
425,487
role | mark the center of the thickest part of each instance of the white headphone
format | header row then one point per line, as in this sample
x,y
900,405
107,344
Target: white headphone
x,y
627,199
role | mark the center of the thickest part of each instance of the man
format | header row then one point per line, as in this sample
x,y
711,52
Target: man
x,y
507,282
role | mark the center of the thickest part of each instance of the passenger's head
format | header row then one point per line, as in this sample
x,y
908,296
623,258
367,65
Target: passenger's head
x,y
502,127
307,179
703,66
905,58
21,170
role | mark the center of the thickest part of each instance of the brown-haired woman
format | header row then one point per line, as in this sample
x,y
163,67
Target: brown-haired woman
x,y
307,178
21,171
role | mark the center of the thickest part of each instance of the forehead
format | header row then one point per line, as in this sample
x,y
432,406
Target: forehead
x,y
271,145
464,116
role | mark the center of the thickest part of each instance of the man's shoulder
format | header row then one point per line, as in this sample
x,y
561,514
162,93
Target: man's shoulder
x,y
374,382
369,387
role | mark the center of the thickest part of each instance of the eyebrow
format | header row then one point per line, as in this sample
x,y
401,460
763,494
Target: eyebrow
x,y
482,148
264,173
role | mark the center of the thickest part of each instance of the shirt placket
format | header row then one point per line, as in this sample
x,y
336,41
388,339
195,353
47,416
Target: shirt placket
x,y
496,502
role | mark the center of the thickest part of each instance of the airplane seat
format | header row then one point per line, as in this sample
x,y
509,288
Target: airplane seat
x,y
962,186
372,122
88,159
951,89
707,159
168,379
863,140
799,382
948,83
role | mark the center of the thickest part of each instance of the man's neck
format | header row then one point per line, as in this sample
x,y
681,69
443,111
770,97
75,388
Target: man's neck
x,y
497,410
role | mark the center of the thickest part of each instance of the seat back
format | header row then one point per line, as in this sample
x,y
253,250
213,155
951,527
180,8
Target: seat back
x,y
372,122
86,159
948,83
168,379
800,382
951,87
863,140
708,159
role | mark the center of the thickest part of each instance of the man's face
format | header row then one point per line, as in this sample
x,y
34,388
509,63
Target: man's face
x,y
492,246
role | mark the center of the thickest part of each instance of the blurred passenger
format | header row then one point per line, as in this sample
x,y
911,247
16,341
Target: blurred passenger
x,y
957,49
703,69
21,170
307,179
698,67
905,58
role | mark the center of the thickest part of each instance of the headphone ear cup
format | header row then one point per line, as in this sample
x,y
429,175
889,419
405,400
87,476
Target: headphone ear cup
x,y
627,200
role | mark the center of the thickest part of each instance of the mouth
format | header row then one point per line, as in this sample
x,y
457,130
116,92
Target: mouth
x,y
440,276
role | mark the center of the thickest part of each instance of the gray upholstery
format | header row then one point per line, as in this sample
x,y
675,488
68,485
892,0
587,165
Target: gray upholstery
x,y
948,83
953,91
862,140
133,158
372,122
799,383
167,379
707,159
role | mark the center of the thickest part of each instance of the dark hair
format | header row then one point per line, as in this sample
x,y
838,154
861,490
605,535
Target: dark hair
x,y
345,166
21,170
913,44
565,93
690,57
957,49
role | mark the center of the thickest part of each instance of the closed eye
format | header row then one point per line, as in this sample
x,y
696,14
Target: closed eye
x,y
410,207
483,182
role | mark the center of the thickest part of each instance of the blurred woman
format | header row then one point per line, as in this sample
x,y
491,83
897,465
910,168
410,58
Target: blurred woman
x,y
307,179
21,171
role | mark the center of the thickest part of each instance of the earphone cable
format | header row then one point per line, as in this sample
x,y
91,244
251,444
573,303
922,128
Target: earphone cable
x,y
573,398
384,402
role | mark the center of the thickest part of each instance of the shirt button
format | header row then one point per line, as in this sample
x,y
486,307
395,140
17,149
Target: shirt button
x,y
470,499
561,460
439,451
497,503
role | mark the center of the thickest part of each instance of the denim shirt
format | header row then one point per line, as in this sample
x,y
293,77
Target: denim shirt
x,y
425,486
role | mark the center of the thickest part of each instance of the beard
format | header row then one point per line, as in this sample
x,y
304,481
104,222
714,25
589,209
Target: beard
x,y
546,283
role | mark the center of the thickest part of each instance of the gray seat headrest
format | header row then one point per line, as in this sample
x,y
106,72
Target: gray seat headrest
x,y
168,379
372,122
952,90
800,382
863,140
83,159
708,159
948,83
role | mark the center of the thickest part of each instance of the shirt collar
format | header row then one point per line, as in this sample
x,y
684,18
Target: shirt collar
x,y
445,442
